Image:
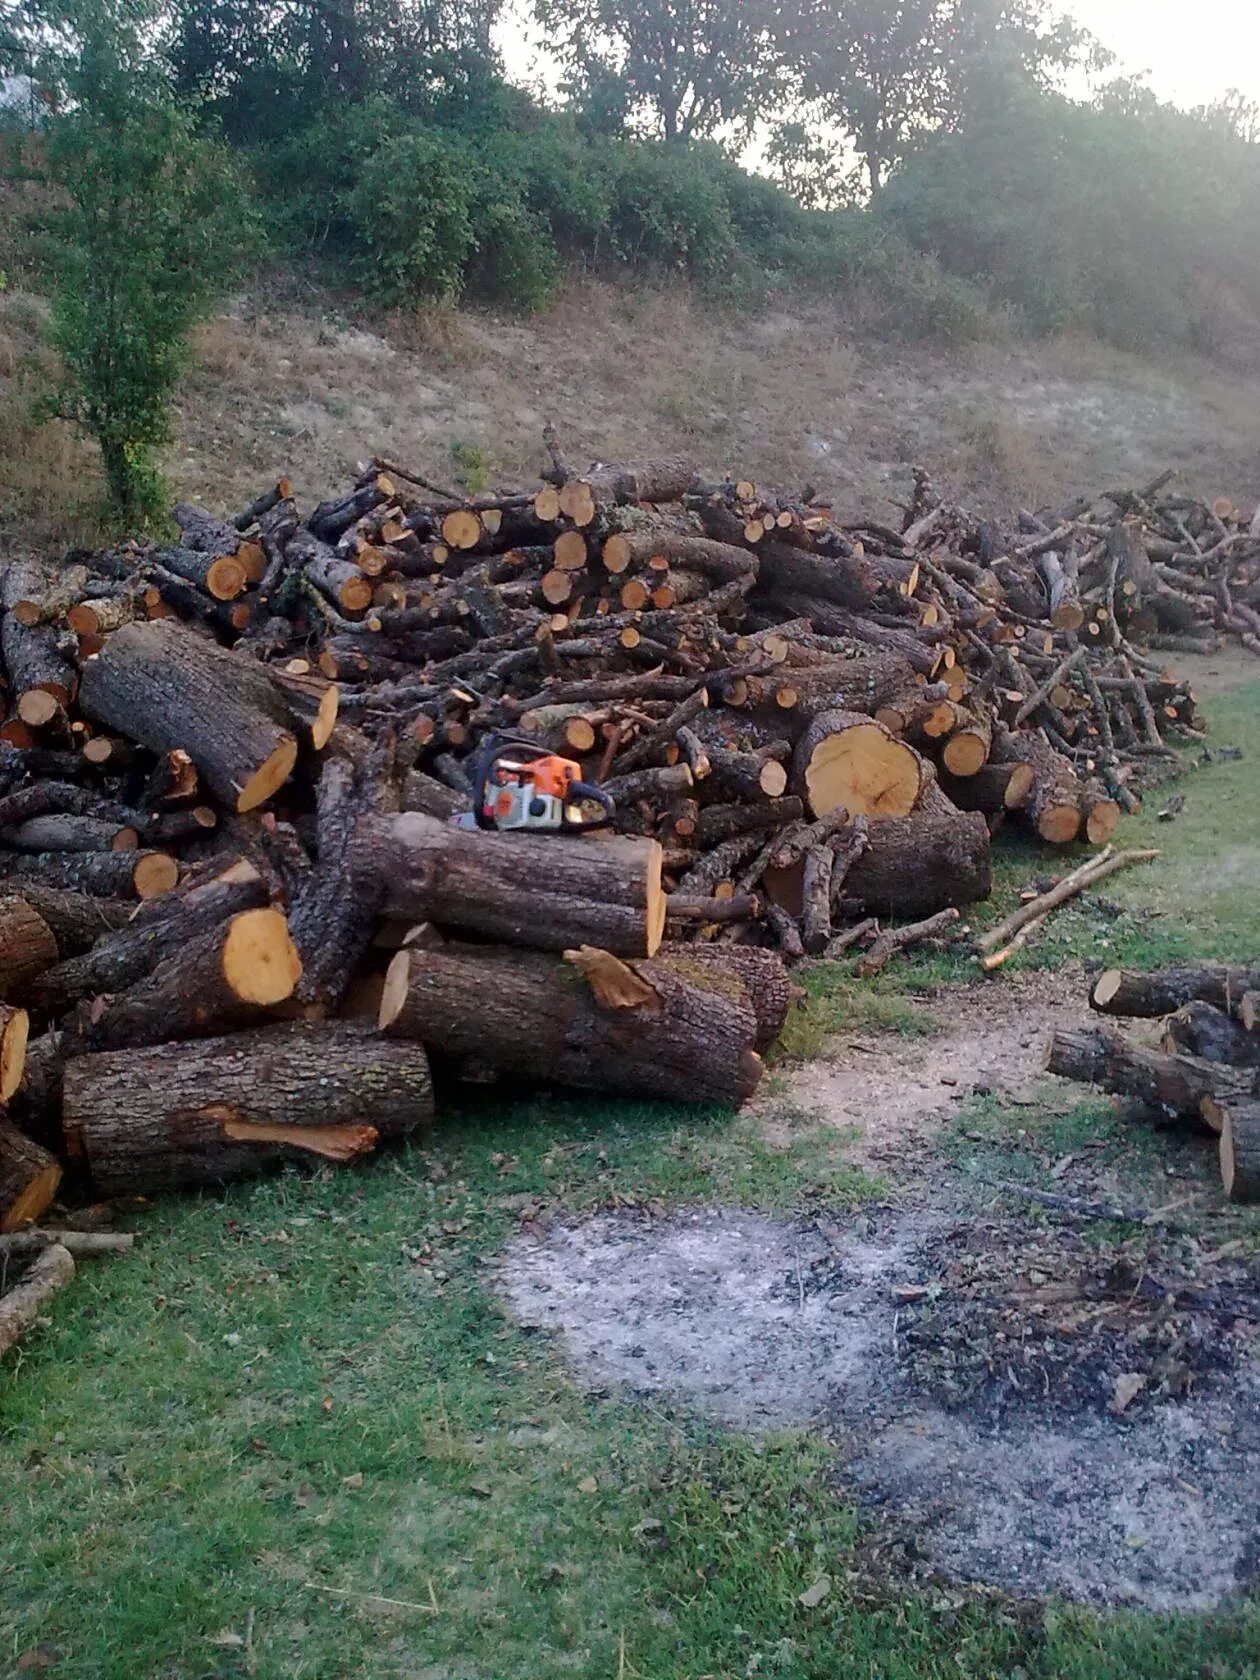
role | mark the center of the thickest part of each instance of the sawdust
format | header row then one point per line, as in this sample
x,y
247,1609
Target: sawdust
x,y
894,1093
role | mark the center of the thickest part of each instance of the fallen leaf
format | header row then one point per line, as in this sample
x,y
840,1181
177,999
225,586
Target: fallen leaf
x,y
39,1656
480,1490
649,1525
225,1636
1128,1385
813,1596
588,1484
353,1481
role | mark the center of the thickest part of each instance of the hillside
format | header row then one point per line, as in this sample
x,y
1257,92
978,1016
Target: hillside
x,y
302,381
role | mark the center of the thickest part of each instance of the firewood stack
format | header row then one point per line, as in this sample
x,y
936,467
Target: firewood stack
x,y
236,914
1207,1068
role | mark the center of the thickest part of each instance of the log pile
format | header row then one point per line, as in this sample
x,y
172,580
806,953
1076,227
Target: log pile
x,y
1206,1069
235,912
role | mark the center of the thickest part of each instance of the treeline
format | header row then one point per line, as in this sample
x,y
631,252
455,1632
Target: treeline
x,y
917,155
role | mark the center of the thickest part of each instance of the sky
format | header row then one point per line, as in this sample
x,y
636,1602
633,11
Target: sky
x,y
1191,51
1194,50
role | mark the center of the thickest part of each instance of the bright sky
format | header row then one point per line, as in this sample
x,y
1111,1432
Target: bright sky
x,y
1192,50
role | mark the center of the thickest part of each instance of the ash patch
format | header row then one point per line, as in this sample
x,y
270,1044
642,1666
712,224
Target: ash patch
x,y
968,1373
756,1322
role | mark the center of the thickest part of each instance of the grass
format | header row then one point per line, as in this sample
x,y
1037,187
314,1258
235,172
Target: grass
x,y
293,1435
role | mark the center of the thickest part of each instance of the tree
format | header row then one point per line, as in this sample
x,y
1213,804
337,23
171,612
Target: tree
x,y
685,68
886,72
150,232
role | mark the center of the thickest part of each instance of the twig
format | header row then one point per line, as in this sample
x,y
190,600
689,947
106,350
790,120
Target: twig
x,y
432,1609
1096,869
897,939
21,1306
1048,687
79,1243
1070,1204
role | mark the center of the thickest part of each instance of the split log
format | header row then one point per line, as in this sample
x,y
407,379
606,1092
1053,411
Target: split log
x,y
29,1177
548,892
168,688
1173,1085
48,1272
1119,991
227,978
1200,1029
224,1108
682,1034
1239,1125
845,759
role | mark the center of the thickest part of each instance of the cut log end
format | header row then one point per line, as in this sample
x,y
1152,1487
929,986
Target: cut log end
x,y
155,873
15,1026
657,900
1059,824
965,754
271,774
1240,1151
260,961
394,991
1106,987
1102,821
864,769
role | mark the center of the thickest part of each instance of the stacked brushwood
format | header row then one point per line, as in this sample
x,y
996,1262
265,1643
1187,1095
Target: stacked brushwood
x,y
1206,1069
235,912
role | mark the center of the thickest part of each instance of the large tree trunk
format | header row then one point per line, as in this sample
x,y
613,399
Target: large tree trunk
x,y
846,760
1171,1084
545,891
922,863
29,1177
673,1028
167,687
224,1108
768,990
1119,991
1200,1029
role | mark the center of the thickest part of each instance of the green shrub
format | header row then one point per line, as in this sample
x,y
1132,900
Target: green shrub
x,y
514,261
411,211
670,213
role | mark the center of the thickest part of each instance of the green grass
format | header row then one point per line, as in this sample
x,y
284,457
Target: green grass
x,y
307,1383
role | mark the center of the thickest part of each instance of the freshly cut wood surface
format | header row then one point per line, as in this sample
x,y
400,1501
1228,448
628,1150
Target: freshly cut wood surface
x,y
1240,1149
1173,1084
845,759
1119,991
142,1120
541,891
29,1177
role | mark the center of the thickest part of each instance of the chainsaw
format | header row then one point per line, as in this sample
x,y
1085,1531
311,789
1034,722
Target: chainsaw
x,y
519,785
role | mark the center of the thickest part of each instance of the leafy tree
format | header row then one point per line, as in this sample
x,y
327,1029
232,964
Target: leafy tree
x,y
683,68
149,233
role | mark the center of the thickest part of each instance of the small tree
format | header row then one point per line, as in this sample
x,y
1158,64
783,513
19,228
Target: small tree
x,y
151,229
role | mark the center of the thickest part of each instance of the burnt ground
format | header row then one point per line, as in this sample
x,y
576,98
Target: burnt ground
x,y
1029,1411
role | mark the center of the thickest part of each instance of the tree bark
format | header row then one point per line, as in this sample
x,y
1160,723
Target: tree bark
x,y
168,688
1240,1150
48,1273
1053,806
537,1016
1174,1085
224,1108
1200,1029
101,874
549,892
917,865
29,1177
1120,991
28,946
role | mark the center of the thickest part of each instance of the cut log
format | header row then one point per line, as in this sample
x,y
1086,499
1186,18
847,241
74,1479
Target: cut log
x,y
917,865
1119,991
1173,1085
65,832
1053,807
745,775
549,892
122,958
224,1108
993,788
28,946
47,1273
967,750
846,759
1200,1029
535,1016
29,1177
768,989
168,688
1239,1124
227,978
102,874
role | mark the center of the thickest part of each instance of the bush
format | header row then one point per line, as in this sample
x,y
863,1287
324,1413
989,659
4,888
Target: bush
x,y
411,211
670,213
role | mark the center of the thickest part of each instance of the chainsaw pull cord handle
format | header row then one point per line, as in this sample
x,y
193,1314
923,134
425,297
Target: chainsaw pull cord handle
x,y
597,796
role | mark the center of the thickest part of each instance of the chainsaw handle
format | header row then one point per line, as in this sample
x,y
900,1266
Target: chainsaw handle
x,y
597,796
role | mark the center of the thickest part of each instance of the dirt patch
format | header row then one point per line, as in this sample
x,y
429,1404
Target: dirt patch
x,y
894,1092
1022,1476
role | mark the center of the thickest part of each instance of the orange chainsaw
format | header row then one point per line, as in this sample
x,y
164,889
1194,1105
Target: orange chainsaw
x,y
518,784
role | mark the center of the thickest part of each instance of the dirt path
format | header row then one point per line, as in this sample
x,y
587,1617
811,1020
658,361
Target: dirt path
x,y
894,1092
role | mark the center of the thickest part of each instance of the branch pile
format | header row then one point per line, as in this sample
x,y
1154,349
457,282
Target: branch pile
x,y
1207,1068
234,911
